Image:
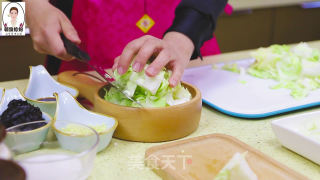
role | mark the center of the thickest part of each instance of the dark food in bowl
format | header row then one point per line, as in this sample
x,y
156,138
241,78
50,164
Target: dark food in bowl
x,y
19,112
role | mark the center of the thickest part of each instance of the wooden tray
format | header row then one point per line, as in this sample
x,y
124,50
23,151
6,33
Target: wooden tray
x,y
201,158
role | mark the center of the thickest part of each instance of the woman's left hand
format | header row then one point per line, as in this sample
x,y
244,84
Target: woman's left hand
x,y
173,51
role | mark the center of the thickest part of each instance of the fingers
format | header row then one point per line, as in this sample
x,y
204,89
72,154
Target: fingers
x,y
38,48
176,76
49,42
144,48
115,63
45,31
157,65
149,47
68,30
127,54
56,47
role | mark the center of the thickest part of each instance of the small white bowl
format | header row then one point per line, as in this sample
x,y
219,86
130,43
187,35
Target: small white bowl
x,y
7,96
35,137
26,141
68,109
52,162
42,86
290,133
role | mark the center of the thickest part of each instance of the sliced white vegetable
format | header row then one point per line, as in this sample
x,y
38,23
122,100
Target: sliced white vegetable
x,y
310,68
172,101
152,84
302,50
237,168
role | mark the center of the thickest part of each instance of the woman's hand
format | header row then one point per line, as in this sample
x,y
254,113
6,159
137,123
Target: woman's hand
x,y
46,23
173,51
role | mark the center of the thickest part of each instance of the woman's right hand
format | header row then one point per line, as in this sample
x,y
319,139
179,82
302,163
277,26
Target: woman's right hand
x,y
46,22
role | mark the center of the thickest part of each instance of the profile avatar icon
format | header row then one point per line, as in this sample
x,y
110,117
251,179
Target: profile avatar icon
x,y
13,14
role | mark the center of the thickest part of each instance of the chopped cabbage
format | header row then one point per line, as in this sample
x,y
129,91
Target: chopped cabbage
x,y
148,91
236,169
296,68
231,67
312,129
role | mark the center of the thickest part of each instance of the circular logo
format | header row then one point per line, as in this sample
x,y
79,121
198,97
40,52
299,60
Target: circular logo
x,y
13,15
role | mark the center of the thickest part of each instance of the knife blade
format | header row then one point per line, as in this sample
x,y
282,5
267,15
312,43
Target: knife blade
x,y
82,56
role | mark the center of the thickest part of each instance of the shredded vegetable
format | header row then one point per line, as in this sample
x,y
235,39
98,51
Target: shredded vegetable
x,y
295,68
148,91
231,67
237,168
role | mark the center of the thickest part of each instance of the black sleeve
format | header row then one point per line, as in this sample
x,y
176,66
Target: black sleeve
x,y
197,20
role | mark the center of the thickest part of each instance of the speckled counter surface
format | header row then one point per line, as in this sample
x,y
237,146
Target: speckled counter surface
x,y
124,160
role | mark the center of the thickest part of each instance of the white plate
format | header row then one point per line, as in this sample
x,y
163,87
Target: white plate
x,y
289,132
222,90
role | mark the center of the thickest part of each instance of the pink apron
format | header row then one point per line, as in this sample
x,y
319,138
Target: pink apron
x,y
106,26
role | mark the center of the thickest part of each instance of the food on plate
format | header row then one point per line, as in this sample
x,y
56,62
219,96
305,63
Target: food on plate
x,y
20,111
236,169
312,129
233,67
76,129
148,91
295,68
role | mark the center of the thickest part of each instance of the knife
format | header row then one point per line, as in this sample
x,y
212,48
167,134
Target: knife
x,y
82,56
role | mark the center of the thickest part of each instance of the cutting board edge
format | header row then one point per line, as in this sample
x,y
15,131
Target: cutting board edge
x,y
172,176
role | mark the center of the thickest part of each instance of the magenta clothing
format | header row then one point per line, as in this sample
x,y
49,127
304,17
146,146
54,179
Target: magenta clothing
x,y
105,27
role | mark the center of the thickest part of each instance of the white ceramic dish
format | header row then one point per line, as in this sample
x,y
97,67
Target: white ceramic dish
x,y
68,109
290,133
7,96
42,86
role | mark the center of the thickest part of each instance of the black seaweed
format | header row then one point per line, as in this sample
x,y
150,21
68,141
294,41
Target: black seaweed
x,y
19,112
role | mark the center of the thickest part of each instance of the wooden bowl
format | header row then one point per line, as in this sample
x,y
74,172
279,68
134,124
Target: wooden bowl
x,y
140,124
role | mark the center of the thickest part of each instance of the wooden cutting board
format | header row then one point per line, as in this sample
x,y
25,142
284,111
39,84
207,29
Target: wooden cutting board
x,y
201,158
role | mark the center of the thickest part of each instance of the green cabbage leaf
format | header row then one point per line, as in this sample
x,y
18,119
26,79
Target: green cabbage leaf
x,y
148,91
295,68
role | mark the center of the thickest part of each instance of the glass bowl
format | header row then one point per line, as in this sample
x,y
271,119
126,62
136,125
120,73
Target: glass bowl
x,y
52,162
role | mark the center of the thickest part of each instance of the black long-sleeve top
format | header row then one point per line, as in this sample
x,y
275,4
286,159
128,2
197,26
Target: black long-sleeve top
x,y
197,20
